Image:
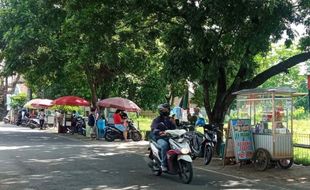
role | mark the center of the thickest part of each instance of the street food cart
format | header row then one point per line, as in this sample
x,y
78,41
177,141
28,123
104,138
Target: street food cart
x,y
270,114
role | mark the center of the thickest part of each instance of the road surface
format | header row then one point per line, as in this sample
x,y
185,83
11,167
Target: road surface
x,y
38,160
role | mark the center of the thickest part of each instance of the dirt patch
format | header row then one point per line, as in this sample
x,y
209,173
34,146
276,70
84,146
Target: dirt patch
x,y
296,177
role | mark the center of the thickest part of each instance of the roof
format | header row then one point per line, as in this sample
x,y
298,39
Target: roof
x,y
281,90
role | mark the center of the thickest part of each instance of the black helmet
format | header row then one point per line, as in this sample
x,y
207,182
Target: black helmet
x,y
164,109
124,115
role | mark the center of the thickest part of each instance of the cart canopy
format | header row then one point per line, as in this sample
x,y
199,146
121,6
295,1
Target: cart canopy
x,y
282,90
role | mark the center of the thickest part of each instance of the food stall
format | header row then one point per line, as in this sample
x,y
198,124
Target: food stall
x,y
269,112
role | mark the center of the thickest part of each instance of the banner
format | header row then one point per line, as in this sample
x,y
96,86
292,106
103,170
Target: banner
x,y
243,138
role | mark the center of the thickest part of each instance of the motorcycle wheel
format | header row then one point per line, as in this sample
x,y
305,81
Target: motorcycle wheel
x,y
108,137
136,136
155,167
31,125
207,155
186,171
285,163
193,157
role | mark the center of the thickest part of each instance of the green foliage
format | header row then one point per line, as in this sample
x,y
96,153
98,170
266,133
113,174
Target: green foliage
x,y
68,108
293,78
299,113
144,50
90,49
18,101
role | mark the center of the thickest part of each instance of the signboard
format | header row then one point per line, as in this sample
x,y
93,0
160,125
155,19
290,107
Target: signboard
x,y
243,138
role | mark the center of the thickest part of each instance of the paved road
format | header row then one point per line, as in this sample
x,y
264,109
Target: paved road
x,y
36,160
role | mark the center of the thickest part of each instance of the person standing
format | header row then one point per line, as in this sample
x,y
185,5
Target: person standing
x,y
92,123
41,118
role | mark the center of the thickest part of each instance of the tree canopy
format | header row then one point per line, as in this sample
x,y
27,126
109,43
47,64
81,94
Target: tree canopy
x,y
146,50
215,43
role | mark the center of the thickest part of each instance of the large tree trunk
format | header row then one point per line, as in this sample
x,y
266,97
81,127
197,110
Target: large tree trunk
x,y
224,97
94,97
92,84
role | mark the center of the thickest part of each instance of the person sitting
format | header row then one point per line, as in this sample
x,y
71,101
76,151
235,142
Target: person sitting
x,y
119,123
159,125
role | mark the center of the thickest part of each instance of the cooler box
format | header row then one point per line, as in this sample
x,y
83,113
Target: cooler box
x,y
101,128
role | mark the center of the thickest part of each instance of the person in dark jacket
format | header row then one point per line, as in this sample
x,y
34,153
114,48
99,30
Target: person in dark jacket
x,y
92,123
159,125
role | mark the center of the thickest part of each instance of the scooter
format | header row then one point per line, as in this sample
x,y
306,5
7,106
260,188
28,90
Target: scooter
x,y
33,123
179,160
202,145
113,133
80,126
6,119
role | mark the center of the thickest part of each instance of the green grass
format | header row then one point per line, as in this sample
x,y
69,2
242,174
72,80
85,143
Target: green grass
x,y
302,126
144,123
302,156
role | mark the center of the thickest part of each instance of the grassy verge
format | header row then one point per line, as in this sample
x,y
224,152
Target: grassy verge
x,y
302,156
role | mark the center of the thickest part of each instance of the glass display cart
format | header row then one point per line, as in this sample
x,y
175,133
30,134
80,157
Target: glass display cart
x,y
270,112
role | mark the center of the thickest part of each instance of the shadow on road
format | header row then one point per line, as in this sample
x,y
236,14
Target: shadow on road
x,y
34,159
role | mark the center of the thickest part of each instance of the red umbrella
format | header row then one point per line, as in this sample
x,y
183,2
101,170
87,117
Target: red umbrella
x,y
119,103
70,101
39,103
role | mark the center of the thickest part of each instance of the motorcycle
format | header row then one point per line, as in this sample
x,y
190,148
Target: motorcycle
x,y
113,133
33,123
179,160
6,119
80,126
202,145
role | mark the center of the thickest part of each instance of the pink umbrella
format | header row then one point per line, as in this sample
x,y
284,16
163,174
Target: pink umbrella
x,y
39,103
70,101
119,103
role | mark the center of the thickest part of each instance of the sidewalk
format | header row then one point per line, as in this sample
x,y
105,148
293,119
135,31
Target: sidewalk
x,y
296,177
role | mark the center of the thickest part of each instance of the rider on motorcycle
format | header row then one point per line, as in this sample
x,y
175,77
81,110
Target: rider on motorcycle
x,y
159,125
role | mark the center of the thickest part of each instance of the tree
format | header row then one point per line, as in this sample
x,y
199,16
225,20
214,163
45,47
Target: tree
x,y
292,78
215,43
91,47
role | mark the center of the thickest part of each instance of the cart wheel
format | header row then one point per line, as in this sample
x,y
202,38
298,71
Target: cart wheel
x,y
285,163
261,159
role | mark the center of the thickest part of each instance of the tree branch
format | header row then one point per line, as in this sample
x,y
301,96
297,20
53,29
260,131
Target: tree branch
x,y
274,70
13,84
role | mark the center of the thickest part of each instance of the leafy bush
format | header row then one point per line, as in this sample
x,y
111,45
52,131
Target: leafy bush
x,y
300,113
18,101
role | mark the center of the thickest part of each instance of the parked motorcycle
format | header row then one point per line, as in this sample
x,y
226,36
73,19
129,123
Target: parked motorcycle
x,y
202,145
6,119
179,160
113,133
33,123
80,126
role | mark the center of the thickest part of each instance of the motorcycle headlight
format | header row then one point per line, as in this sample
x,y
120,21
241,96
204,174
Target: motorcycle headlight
x,y
185,150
